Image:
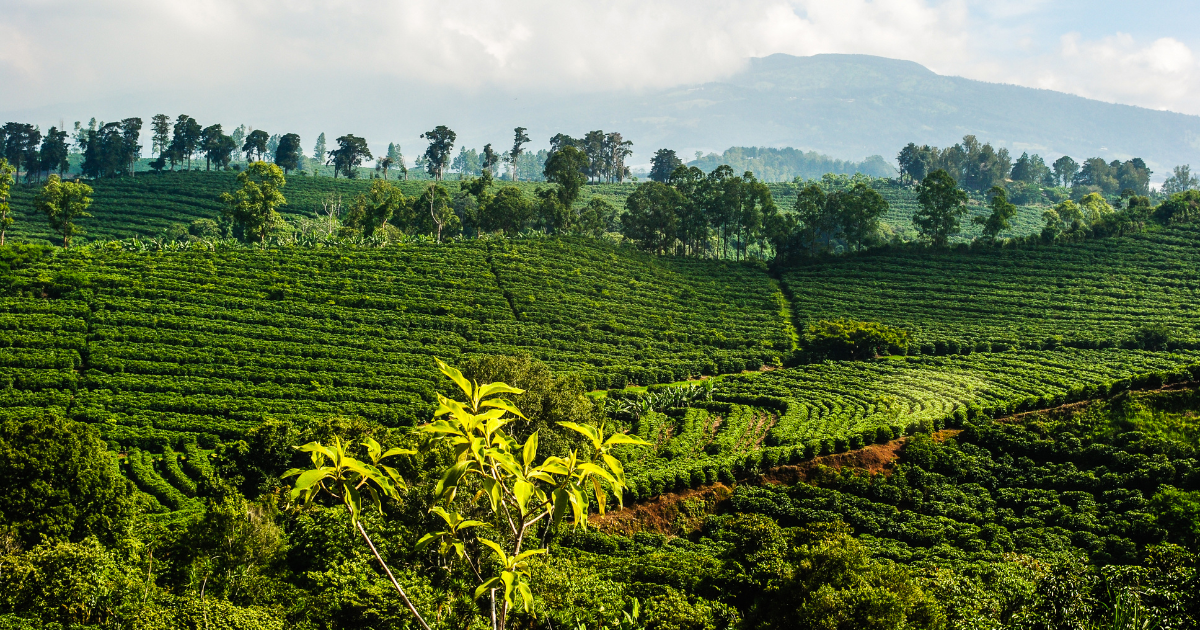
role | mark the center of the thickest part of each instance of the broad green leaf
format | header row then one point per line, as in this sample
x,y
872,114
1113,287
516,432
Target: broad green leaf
x,y
561,499
623,438
522,490
526,595
451,478
615,466
590,468
457,377
373,449
529,452
491,389
500,403
311,477
592,433
397,451
600,496
495,547
485,587
426,539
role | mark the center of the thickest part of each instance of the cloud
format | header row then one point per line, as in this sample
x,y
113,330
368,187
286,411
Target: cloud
x,y
60,51
1161,74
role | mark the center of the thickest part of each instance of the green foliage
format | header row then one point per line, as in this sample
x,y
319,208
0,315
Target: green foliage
x,y
1092,294
58,484
64,203
943,204
849,339
252,207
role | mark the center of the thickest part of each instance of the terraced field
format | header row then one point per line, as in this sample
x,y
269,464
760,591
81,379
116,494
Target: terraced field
x,y
1097,293
162,346
782,416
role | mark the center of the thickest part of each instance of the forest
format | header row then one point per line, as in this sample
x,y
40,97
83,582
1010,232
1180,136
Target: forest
x,y
248,388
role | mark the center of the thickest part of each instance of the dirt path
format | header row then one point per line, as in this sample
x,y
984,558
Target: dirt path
x,y
684,511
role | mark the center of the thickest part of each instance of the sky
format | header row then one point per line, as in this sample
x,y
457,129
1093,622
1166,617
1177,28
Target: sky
x,y
310,63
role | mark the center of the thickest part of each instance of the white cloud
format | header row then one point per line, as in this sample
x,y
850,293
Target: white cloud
x,y
1162,74
62,51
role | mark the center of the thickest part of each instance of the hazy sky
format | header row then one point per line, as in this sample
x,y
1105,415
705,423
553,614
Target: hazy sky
x,y
267,62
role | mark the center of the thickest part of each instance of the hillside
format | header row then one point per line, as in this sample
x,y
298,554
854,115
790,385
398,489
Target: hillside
x,y
149,205
217,342
1098,293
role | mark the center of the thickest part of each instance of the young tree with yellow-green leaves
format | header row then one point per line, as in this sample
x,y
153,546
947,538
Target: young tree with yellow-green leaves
x,y
63,204
252,207
493,477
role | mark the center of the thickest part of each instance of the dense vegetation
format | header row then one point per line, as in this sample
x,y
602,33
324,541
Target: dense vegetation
x,y
154,395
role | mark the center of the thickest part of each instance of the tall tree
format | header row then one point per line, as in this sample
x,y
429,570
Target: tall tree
x,y
397,159
239,138
593,147
859,210
508,210
651,217
1002,214
568,169
185,140
436,201
6,182
252,207
210,143
514,154
663,164
54,152
441,147
160,140
20,146
272,146
616,150
1181,180
943,204
372,210
383,165
64,203
256,145
349,155
287,154
490,159
1065,169
319,149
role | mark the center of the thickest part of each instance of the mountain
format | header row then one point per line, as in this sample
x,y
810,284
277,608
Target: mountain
x,y
854,106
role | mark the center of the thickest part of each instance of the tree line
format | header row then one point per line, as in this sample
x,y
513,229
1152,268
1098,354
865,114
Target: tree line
x,y
978,167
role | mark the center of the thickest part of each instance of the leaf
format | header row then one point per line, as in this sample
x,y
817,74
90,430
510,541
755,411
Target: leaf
x,y
623,438
457,377
500,403
485,587
600,496
426,539
311,477
526,595
615,466
592,433
529,452
495,547
491,389
593,469
391,452
522,490
373,449
451,478
561,499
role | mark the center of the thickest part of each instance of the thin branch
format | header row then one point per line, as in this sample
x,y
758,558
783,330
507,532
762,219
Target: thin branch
x,y
403,596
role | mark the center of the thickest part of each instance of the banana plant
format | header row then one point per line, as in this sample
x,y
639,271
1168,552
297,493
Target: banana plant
x,y
511,481
347,479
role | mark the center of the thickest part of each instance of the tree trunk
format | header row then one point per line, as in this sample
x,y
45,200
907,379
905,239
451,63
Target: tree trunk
x,y
396,584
